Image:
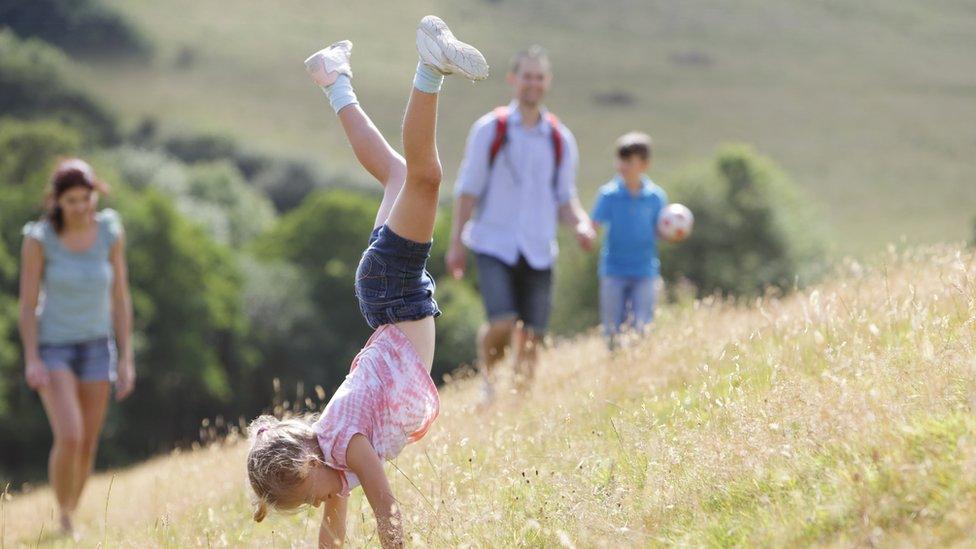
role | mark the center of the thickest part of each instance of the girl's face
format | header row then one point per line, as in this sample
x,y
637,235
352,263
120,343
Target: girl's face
x,y
311,491
77,203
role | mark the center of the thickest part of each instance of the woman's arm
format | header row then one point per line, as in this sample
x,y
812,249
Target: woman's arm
x,y
332,532
31,267
122,320
363,461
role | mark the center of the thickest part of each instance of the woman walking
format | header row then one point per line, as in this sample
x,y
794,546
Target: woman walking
x,y
75,323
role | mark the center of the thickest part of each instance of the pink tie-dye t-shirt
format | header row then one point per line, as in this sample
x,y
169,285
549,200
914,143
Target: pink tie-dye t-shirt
x,y
388,397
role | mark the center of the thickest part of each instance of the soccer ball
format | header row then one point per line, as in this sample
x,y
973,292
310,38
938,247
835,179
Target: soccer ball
x,y
675,222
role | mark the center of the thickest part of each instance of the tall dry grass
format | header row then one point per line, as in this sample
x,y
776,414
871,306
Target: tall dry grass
x,y
842,415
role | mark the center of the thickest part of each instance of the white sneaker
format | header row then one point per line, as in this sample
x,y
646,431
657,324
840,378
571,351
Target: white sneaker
x,y
440,49
325,66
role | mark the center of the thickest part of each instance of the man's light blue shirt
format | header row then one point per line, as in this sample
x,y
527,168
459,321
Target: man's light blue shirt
x,y
518,203
630,246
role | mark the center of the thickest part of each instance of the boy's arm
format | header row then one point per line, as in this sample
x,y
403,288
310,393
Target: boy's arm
x,y
363,461
332,532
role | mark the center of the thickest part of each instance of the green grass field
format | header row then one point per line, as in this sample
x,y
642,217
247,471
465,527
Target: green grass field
x,y
838,416
870,105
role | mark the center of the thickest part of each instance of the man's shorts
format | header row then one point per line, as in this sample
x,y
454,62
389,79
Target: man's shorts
x,y
518,291
392,282
93,360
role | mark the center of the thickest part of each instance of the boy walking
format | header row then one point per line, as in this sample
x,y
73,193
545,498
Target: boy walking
x,y
629,206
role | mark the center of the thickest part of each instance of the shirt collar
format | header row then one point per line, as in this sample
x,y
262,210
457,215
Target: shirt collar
x,y
515,117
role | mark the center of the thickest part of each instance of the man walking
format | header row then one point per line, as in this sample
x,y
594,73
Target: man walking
x,y
517,180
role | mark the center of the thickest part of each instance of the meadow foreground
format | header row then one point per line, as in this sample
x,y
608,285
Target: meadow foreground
x,y
842,415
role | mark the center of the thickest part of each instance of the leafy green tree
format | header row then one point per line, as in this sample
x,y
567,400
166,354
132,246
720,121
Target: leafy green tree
x,y
753,229
213,193
191,327
33,84
80,27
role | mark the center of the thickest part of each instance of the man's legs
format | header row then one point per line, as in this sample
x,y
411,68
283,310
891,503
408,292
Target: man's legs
x,y
496,281
534,291
612,308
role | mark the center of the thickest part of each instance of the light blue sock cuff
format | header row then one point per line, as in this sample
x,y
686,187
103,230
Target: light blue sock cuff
x,y
427,79
340,93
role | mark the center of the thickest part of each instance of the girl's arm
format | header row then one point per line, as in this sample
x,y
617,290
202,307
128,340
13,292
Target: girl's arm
x,y
122,320
362,460
31,267
332,532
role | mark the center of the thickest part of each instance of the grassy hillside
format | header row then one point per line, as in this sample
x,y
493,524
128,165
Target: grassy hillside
x,y
839,416
871,105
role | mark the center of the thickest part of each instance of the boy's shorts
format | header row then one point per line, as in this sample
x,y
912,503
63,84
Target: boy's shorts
x,y
93,360
392,282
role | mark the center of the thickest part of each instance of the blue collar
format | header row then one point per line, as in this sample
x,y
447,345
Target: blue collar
x,y
646,186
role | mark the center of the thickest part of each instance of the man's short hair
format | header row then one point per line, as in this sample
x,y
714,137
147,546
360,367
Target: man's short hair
x,y
634,143
535,52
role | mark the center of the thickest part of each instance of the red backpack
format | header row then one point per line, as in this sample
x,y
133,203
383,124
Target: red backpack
x,y
501,138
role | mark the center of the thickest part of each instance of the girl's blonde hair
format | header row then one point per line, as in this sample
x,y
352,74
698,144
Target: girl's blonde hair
x,y
281,456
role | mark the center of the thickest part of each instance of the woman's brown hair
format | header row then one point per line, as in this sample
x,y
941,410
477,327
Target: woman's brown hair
x,y
68,174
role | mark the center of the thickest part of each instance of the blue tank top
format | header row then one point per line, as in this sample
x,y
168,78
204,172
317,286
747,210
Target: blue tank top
x,y
75,304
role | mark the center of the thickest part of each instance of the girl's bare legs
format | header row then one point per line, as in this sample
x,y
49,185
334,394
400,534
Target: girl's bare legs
x,y
415,208
413,212
412,216
330,69
375,155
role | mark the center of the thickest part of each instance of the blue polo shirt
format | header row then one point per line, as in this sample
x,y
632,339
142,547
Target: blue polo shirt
x,y
630,246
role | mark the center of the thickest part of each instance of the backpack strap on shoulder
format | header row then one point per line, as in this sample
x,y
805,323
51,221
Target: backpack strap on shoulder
x,y
501,134
557,147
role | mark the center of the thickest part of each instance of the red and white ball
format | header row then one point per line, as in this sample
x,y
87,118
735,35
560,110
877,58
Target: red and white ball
x,y
675,223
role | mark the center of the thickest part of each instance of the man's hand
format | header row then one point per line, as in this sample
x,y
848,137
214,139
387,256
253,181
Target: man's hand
x,y
585,235
456,260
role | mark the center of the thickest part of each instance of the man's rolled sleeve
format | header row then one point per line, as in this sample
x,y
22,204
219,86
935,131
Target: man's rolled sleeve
x,y
566,182
473,173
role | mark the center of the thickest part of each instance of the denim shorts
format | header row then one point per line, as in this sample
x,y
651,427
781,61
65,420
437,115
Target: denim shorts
x,y
93,360
392,282
515,291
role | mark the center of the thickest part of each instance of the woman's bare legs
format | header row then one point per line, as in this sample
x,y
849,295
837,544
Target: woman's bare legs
x,y
93,398
60,400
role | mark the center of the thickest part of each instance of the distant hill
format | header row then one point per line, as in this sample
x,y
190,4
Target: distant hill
x,y
870,105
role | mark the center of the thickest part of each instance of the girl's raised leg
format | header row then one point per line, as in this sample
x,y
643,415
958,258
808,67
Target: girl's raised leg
x,y
441,53
330,69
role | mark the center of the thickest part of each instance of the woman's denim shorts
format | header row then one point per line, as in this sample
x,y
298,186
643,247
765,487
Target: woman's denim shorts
x,y
93,360
392,282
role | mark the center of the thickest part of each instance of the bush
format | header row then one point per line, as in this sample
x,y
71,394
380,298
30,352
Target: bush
x,y
457,327
213,194
753,229
33,84
80,27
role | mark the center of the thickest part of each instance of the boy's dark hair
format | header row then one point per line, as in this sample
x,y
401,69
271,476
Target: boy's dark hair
x,y
535,52
634,143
